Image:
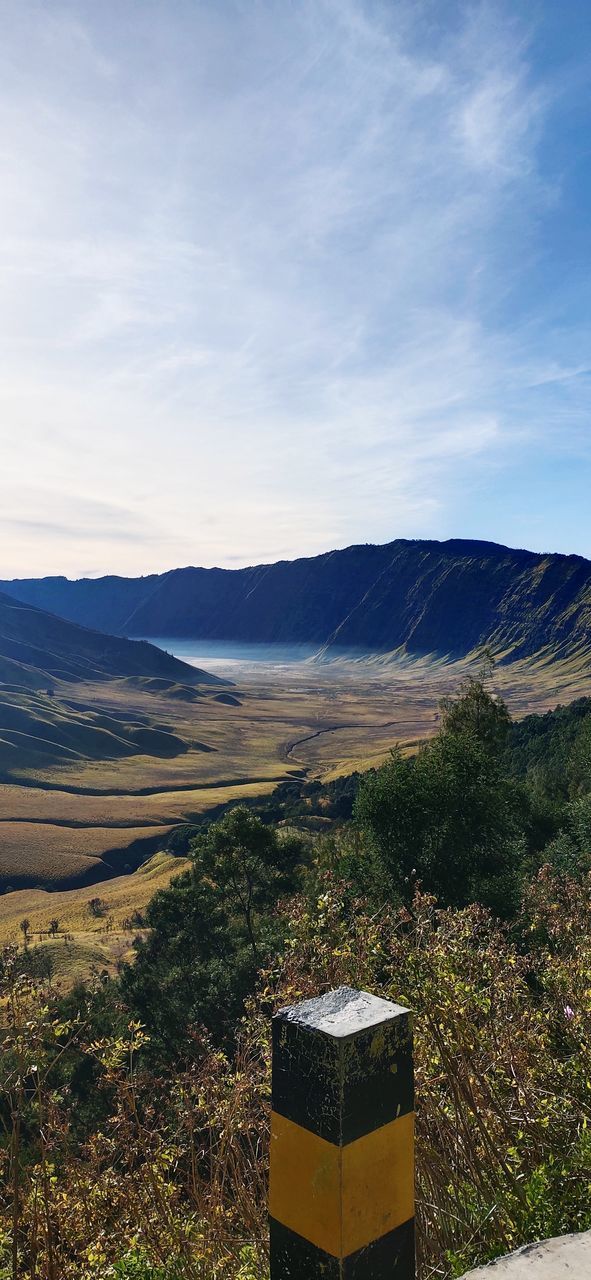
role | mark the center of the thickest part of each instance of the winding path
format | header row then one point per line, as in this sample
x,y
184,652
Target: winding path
x,y
334,728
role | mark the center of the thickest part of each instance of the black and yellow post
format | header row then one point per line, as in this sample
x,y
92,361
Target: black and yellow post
x,y
341,1194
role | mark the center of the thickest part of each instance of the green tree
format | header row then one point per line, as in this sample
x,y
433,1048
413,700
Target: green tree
x,y
211,930
580,759
249,865
449,819
477,711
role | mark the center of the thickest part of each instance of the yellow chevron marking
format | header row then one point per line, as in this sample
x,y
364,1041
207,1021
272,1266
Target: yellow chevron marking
x,y
342,1198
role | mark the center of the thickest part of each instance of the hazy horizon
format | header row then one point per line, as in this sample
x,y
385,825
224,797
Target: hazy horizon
x,y
282,278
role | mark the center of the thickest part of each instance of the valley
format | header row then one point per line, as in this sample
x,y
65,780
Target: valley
x,y
108,744
71,823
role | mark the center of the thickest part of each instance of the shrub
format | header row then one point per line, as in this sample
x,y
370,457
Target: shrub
x,y
135,1266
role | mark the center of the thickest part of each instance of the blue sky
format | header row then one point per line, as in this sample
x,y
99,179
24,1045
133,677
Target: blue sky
x,y
283,275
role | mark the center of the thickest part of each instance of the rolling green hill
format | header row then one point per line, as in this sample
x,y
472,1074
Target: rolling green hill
x,y
38,728
37,647
408,597
44,659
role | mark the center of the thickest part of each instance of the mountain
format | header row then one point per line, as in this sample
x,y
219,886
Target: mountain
x,y
414,597
46,666
37,647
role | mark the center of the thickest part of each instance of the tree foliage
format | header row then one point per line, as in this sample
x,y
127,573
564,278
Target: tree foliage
x,y
478,712
212,929
170,1183
449,817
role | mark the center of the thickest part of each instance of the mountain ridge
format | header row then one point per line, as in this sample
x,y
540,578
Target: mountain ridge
x,y
47,665
39,646
411,596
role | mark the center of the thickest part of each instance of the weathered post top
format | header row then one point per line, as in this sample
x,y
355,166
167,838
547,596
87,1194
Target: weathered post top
x,y
342,1167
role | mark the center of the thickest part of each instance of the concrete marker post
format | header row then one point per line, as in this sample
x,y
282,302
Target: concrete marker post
x,y
341,1197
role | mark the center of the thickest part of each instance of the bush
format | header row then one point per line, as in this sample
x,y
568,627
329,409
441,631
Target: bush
x,y
179,840
178,1162
135,1266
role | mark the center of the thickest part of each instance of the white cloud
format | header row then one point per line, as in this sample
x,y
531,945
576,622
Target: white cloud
x,y
250,258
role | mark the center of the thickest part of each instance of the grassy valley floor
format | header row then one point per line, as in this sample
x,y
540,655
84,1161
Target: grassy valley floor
x,y
69,824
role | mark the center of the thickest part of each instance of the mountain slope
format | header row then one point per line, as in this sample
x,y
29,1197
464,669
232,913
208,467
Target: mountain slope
x,y
43,659
36,647
416,597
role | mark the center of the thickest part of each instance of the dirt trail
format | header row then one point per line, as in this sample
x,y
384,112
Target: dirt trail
x,y
335,728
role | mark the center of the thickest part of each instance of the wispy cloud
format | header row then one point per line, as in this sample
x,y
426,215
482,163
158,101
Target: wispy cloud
x,y
263,275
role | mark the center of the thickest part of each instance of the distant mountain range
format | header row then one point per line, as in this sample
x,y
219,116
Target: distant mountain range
x,y
414,597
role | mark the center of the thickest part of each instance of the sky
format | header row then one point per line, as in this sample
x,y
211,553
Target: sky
x,y
279,276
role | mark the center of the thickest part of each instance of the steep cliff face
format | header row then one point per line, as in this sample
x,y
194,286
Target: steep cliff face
x,y
455,597
422,597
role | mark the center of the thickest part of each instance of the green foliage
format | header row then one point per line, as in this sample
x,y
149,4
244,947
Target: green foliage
x,y
211,930
502,1054
570,849
250,1264
480,807
179,840
579,764
553,751
248,866
450,819
302,799
477,712
135,1266
176,1166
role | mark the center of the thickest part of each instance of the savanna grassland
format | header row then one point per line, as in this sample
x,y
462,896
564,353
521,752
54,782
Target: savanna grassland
x,y
137,1107
68,824
77,820
95,927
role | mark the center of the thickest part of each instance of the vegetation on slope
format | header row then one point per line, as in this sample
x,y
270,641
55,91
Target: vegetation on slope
x,y
40,728
540,768
71,698
171,1178
42,856
123,898
137,1112
85,933
43,659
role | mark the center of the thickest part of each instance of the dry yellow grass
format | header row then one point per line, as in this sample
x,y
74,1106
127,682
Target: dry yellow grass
x,y
34,852
43,851
324,719
398,704
59,823
163,809
83,957
86,944
122,896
